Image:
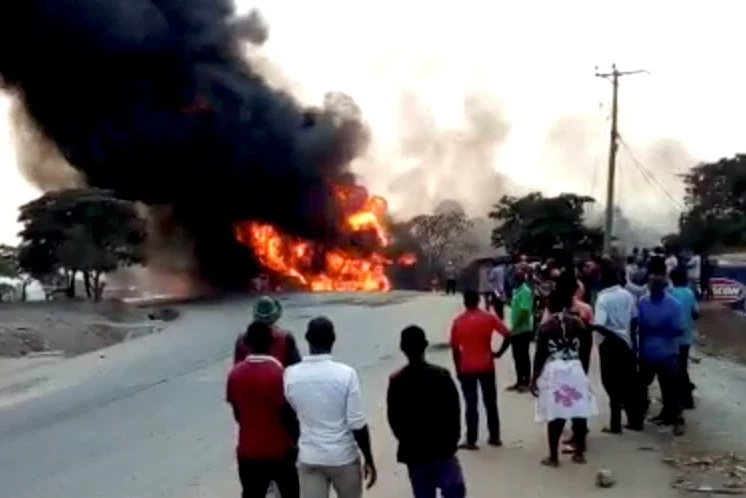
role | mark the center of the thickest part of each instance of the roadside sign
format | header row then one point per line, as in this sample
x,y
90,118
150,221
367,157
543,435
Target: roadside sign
x,y
727,291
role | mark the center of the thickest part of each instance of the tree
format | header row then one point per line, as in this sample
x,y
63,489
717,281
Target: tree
x,y
442,236
76,231
715,203
539,225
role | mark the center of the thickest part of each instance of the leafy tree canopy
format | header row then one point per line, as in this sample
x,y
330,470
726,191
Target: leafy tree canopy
x,y
79,230
539,225
715,204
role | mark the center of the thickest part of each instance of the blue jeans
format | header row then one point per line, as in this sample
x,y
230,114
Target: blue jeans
x,y
444,475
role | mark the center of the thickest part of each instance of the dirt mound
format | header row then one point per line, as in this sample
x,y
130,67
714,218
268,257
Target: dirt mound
x,y
74,327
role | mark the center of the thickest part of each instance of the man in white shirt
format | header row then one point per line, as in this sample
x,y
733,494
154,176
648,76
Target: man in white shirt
x,y
694,271
614,318
326,397
671,263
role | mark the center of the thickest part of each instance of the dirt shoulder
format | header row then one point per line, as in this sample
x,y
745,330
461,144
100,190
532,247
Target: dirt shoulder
x,y
722,332
71,328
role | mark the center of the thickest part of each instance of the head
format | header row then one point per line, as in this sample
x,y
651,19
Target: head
x,y
519,275
450,263
267,310
561,297
471,299
609,275
259,337
630,260
413,343
320,335
636,251
679,277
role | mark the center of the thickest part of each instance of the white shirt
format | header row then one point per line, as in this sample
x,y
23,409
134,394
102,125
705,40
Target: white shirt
x,y
695,267
326,396
616,307
671,263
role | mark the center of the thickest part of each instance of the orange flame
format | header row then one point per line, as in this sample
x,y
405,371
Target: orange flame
x,y
310,266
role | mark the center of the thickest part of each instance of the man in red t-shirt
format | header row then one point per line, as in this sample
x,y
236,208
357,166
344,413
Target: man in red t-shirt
x,y
471,344
267,426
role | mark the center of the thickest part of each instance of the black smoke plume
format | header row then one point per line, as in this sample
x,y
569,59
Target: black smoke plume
x,y
154,100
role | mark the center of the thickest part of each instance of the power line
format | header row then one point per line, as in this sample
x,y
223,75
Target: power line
x,y
650,177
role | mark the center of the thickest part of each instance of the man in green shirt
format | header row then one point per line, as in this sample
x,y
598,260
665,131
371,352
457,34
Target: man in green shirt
x,y
521,331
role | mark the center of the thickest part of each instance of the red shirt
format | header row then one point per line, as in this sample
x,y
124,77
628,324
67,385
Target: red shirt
x,y
256,393
471,335
283,348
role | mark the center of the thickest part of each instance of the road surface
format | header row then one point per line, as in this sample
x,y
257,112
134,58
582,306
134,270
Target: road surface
x,y
147,418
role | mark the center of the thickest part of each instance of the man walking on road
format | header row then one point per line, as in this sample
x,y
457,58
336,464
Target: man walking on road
x,y
284,348
424,415
268,428
521,332
615,320
661,329
684,294
450,274
326,396
471,344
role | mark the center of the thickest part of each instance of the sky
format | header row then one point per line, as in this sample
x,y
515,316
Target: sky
x,y
537,59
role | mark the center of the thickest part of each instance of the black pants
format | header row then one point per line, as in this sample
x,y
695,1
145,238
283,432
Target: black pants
x,y
499,306
686,387
619,378
450,286
256,475
554,434
470,385
668,379
519,345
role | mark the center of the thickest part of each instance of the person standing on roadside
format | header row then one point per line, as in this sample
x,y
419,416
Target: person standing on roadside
x,y
484,285
268,310
684,294
615,319
424,414
450,273
267,426
521,332
471,345
497,286
661,330
326,396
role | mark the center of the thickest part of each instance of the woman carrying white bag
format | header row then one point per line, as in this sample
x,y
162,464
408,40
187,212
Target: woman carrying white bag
x,y
560,384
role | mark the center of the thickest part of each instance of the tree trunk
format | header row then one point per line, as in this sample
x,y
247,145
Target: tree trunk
x,y
71,284
24,288
87,283
97,287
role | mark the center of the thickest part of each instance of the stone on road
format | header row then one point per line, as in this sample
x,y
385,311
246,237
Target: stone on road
x,y
148,419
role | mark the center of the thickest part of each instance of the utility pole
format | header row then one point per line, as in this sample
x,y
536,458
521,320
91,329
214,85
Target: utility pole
x,y
613,76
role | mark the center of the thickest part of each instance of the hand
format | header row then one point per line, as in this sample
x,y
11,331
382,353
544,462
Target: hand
x,y
534,390
370,474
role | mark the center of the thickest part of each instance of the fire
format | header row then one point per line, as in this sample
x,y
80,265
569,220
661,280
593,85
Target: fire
x,y
316,269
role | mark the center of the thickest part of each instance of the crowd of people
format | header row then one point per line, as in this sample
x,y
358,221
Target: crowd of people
x,y
301,420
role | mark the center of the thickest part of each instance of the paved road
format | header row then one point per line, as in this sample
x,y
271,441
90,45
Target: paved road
x,y
148,420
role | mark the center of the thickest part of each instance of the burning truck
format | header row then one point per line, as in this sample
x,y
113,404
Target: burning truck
x,y
156,101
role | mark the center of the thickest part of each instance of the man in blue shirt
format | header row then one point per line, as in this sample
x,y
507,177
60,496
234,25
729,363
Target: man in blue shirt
x,y
660,331
686,297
